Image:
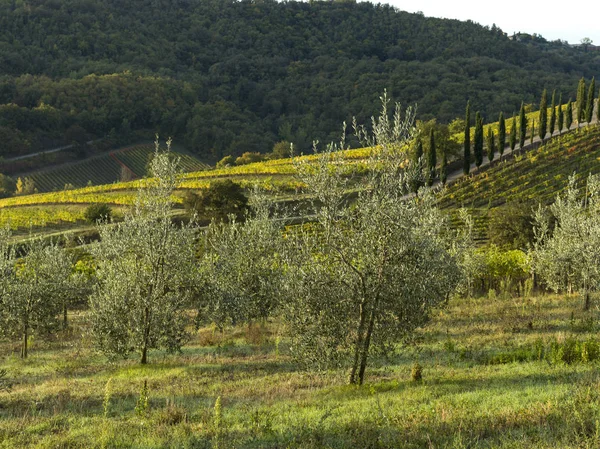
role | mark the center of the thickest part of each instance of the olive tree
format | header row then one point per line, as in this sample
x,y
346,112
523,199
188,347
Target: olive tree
x,y
32,289
368,271
145,266
240,267
569,255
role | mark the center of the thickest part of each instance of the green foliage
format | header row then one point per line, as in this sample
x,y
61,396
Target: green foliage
x,y
490,144
98,212
581,101
377,268
25,186
227,161
513,134
416,372
543,117
249,158
142,405
241,268
151,262
188,71
589,111
568,255
431,159
32,288
501,134
553,107
511,225
5,383
444,168
281,150
569,114
7,186
522,126
560,115
219,201
467,141
478,140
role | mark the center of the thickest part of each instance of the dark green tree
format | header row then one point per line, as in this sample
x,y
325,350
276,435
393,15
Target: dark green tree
x,y
552,123
501,134
543,115
522,126
467,143
444,167
431,159
490,144
219,201
478,140
569,114
532,132
561,115
418,161
513,134
589,111
581,101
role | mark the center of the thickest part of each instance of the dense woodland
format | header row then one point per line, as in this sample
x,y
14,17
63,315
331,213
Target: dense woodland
x,y
228,77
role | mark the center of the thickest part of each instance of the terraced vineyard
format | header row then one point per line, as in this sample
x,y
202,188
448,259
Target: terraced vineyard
x,y
123,164
534,177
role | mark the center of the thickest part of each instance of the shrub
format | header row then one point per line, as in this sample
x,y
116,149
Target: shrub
x,y
417,372
249,158
98,212
227,161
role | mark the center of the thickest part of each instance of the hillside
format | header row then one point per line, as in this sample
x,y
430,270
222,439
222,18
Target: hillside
x,y
525,177
225,77
530,178
122,164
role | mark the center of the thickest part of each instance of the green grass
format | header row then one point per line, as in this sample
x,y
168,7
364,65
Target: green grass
x,y
483,386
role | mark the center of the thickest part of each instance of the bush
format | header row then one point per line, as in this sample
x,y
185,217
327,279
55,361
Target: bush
x,y
221,199
249,158
227,161
98,212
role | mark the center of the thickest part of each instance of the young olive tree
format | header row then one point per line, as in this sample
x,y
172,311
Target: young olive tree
x,y
145,268
32,289
368,271
240,267
569,256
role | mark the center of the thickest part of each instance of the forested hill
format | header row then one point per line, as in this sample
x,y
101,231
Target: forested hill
x,y
225,77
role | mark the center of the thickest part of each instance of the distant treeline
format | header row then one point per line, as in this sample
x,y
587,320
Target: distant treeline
x,y
229,77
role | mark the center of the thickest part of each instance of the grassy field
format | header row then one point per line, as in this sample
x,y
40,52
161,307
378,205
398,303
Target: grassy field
x,y
494,375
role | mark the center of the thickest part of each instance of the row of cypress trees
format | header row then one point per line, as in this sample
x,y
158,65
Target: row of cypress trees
x,y
561,117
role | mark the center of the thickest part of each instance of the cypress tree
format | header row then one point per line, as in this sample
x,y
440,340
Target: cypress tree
x,y
552,114
478,140
522,126
431,159
569,114
490,144
589,111
501,134
581,107
418,163
543,115
513,133
444,167
561,116
467,144
532,131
